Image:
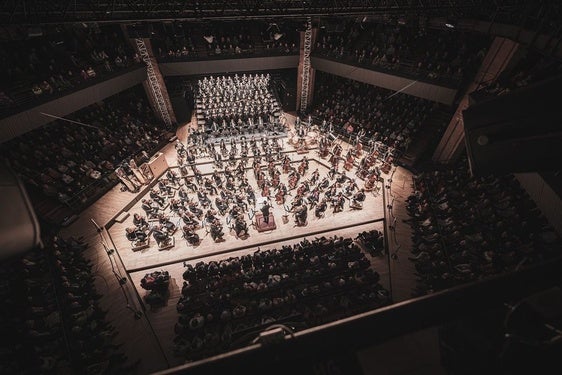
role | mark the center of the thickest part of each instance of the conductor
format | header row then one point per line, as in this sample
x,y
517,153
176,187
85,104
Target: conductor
x,y
265,211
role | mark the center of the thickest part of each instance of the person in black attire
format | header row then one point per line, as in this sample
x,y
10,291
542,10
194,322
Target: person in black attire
x,y
140,221
265,211
155,196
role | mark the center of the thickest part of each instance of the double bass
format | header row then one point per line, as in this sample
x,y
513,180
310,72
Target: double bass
x,y
293,180
350,159
265,189
323,147
286,164
280,196
371,182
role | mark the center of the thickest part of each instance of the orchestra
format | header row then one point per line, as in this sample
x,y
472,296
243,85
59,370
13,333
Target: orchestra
x,y
226,195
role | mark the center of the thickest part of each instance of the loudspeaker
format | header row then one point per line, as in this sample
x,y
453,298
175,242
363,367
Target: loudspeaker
x,y
181,107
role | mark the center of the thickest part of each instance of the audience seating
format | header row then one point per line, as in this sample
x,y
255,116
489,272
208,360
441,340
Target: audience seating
x,y
376,113
74,163
51,319
226,304
444,56
183,41
64,58
467,228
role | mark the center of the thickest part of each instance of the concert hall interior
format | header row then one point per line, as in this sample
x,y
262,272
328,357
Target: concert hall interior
x,y
349,187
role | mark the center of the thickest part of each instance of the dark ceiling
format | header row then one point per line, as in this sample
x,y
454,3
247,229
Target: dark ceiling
x,y
68,11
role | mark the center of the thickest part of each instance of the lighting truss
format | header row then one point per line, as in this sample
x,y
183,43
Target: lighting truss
x,y
153,82
307,47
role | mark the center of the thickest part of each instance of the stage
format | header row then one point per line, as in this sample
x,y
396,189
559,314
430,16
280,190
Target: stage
x,y
286,230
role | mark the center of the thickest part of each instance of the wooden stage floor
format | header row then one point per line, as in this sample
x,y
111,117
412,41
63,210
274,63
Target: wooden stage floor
x,y
373,210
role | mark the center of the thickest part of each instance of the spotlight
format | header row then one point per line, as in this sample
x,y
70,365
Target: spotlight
x,y
209,38
277,36
450,23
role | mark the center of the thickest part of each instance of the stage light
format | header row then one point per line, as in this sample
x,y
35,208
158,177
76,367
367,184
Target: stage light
x,y
277,36
209,38
450,25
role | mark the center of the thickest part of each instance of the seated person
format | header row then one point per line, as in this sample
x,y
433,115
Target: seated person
x,y
240,226
203,199
176,205
350,187
192,206
149,208
211,189
320,208
301,214
135,234
183,194
216,230
189,234
358,198
165,187
241,202
166,223
221,205
140,221
338,202
156,197
188,218
160,235
189,184
172,176
210,216
250,195
342,178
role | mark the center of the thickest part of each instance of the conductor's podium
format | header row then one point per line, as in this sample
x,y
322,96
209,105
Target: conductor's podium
x,y
262,226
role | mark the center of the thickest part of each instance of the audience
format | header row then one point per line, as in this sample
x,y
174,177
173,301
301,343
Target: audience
x,y
188,41
468,228
51,316
224,304
60,60
375,113
373,241
442,55
64,159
